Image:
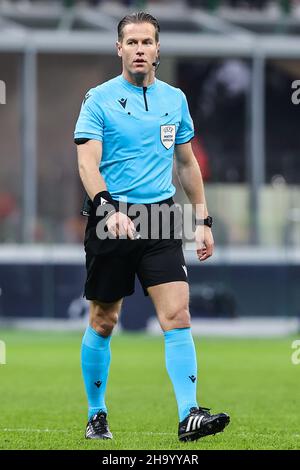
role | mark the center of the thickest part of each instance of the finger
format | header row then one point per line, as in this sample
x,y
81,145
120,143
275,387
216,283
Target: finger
x,y
113,232
118,228
205,248
126,230
209,250
205,254
130,232
122,229
112,227
132,225
129,228
200,251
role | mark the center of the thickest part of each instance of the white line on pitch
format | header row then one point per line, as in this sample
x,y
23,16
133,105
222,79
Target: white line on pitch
x,y
77,430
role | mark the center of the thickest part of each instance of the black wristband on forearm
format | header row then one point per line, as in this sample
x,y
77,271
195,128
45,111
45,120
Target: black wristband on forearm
x,y
103,198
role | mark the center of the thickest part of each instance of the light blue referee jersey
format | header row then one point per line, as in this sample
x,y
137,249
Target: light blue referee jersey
x,y
138,128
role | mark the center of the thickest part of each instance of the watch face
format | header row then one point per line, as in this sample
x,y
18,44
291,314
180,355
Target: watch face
x,y
208,221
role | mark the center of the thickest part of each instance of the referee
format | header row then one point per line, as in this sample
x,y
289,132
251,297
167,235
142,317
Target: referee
x,y
126,134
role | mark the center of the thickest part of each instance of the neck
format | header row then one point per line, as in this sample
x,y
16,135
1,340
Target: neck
x,y
139,79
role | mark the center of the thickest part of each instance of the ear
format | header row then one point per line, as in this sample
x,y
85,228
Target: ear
x,y
119,48
158,49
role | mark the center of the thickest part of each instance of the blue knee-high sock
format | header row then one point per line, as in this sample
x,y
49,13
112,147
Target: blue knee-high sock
x,y
181,365
95,361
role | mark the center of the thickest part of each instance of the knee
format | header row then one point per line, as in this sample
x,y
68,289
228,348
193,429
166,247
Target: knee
x,y
176,318
103,320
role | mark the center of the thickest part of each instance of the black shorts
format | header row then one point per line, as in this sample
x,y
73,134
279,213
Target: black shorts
x,y
112,264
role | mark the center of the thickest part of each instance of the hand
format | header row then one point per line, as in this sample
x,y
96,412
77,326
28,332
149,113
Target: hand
x,y
204,242
120,225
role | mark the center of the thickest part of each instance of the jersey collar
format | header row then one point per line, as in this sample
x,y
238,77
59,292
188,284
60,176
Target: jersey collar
x,y
130,86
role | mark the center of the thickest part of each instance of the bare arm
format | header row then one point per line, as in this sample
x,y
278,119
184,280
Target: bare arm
x,y
89,158
190,176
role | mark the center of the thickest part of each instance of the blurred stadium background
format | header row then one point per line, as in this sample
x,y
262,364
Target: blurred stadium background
x,y
236,60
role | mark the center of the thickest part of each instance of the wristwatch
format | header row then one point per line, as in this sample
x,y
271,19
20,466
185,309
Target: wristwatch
x,y
208,221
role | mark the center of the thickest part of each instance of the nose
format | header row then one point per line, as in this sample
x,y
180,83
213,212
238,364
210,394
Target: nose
x,y
140,49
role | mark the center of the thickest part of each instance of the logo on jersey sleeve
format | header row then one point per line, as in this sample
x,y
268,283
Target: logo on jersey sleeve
x,y
167,135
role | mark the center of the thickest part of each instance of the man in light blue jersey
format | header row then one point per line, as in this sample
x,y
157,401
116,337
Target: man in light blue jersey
x,y
127,132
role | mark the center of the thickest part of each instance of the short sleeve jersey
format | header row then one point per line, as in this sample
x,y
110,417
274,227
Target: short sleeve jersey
x,y
138,128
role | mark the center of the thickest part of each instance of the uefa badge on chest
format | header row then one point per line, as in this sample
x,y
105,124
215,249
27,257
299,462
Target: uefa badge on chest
x,y
167,135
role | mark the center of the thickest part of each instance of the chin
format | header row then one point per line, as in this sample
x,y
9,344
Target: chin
x,y
139,74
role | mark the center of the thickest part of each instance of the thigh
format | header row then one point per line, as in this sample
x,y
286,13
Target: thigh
x,y
162,262
110,265
109,278
163,275
98,308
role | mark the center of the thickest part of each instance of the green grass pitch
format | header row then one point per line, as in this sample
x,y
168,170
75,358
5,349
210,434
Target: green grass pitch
x,y
43,404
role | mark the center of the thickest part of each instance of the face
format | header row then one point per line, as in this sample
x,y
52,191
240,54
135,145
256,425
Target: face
x,y
138,48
